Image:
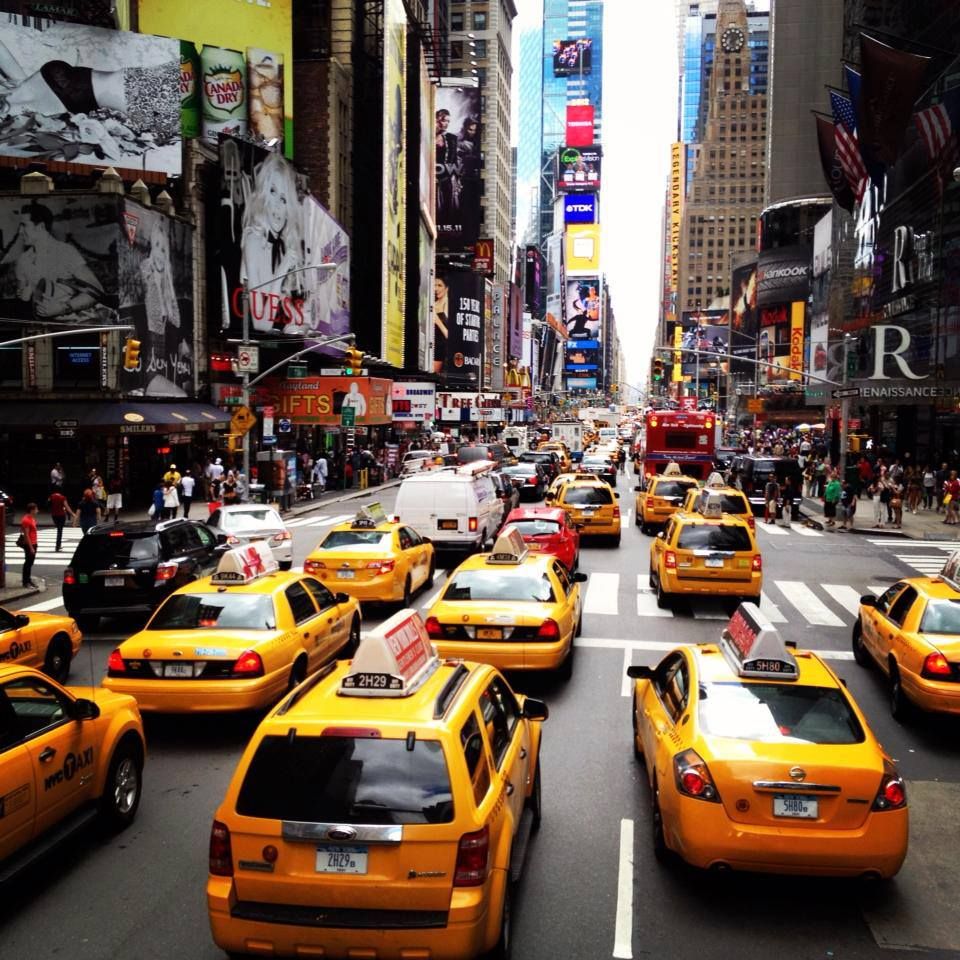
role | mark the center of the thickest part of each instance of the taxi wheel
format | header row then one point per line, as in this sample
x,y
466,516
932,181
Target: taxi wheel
x,y
656,824
286,564
616,540
663,598
637,749
298,673
638,521
647,529
566,668
56,664
899,704
503,950
407,593
534,800
859,650
123,786
431,574
353,641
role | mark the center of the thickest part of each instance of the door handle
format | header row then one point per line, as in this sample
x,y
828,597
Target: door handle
x,y
47,754
523,753
306,636
510,789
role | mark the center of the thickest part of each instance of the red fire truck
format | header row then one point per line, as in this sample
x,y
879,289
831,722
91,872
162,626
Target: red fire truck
x,y
688,439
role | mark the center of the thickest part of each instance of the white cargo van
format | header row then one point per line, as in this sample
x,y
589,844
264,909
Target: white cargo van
x,y
456,507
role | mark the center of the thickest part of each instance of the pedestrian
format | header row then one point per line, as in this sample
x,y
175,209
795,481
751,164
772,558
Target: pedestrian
x,y
88,513
114,497
622,458
847,506
951,491
156,507
940,484
896,505
27,541
809,474
320,469
57,476
172,475
873,491
929,486
99,489
787,494
187,484
171,501
771,496
831,497
913,490
229,490
59,511
820,478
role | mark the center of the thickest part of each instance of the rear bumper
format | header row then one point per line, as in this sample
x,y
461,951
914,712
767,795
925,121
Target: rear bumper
x,y
201,696
931,695
671,583
514,655
380,589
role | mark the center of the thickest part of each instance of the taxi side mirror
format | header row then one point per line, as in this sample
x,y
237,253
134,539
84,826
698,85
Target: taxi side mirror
x,y
616,493
535,709
640,673
579,578
83,709
426,540
869,600
342,598
661,536
21,620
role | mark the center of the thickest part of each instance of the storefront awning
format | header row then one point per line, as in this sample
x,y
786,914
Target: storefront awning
x,y
112,416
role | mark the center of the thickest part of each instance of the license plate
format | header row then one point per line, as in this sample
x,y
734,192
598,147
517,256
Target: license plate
x,y
799,806
178,671
447,524
713,562
341,859
113,581
489,633
345,574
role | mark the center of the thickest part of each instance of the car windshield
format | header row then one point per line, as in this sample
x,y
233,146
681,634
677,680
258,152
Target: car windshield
x,y
521,470
350,539
233,611
941,616
587,496
470,454
778,713
672,488
536,527
710,536
504,584
100,551
731,504
250,519
597,462
344,779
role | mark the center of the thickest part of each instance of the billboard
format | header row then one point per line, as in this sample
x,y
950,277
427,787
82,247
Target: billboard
x,y
458,325
320,400
243,55
89,95
709,332
573,56
272,233
458,139
427,174
677,180
533,279
774,344
580,208
579,125
744,320
578,357
796,340
581,383
783,275
499,332
425,302
394,181
413,402
582,309
578,168
99,260
583,250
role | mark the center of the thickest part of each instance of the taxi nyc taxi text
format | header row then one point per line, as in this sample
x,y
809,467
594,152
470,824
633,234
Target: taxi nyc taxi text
x,y
47,641
592,506
235,640
514,609
912,631
662,498
67,756
712,554
383,809
732,500
373,558
759,759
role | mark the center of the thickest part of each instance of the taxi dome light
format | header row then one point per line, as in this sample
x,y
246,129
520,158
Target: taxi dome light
x,y
672,470
936,666
244,565
754,648
509,547
950,574
370,515
713,506
715,480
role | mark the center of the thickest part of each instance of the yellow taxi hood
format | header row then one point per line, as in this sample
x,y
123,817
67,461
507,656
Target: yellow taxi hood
x,y
38,619
197,644
105,699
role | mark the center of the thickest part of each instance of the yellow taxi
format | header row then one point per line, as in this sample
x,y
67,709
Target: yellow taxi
x,y
912,631
759,759
383,809
562,478
592,506
47,641
663,497
560,449
511,608
732,500
236,640
68,755
373,558
712,554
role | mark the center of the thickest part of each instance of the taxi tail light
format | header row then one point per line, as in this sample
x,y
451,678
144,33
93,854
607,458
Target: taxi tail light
x,y
282,535
892,794
693,777
221,852
670,560
472,856
616,511
649,503
472,524
166,570
752,521
433,627
549,630
756,565
532,481
69,577
313,566
384,566
115,663
248,664
936,667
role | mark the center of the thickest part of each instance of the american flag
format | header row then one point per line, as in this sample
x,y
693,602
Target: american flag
x,y
848,148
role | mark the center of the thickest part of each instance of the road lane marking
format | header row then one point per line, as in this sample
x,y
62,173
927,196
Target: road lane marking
x,y
845,595
435,596
772,529
626,683
625,518
623,932
602,593
662,646
647,600
45,605
770,610
804,531
809,605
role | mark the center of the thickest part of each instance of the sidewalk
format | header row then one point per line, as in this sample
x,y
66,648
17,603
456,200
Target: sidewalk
x,y
923,525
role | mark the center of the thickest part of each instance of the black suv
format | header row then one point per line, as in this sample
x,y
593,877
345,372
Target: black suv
x,y
753,472
546,458
132,567
499,453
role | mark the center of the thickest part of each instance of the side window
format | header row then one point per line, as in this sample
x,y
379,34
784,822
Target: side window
x,y
300,603
508,702
561,575
36,706
495,721
888,596
206,537
320,593
7,621
901,606
191,539
405,542
415,538
471,741
670,683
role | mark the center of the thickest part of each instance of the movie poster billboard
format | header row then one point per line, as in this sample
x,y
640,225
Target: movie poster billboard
x,y
578,168
709,332
582,309
89,95
458,149
272,237
425,301
573,57
458,325
427,169
744,319
236,65
394,181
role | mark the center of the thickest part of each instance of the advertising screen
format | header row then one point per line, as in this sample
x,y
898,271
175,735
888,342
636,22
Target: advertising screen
x,y
242,56
321,400
578,168
579,125
533,280
774,344
783,275
274,234
458,134
709,332
582,309
583,250
428,184
576,358
581,383
572,56
458,325
413,402
744,320
580,208
89,95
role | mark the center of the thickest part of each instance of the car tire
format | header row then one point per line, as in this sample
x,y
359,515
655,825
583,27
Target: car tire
x,y
663,598
637,521
860,653
56,664
431,574
88,622
647,529
349,649
123,786
286,564
407,593
900,706
657,839
651,581
503,949
298,672
533,802
637,749
616,540
579,631
566,668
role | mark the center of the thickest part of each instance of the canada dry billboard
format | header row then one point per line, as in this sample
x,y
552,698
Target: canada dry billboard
x,y
573,56
458,137
578,168
458,306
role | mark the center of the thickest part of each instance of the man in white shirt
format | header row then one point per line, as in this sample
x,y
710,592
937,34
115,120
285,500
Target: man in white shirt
x,y
187,483
320,470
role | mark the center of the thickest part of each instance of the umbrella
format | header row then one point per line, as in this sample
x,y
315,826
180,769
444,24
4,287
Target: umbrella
x,y
803,427
819,426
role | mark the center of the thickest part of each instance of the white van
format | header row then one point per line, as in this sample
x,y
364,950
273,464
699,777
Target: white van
x,y
456,507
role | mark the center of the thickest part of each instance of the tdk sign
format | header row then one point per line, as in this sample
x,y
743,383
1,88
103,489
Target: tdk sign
x,y
580,208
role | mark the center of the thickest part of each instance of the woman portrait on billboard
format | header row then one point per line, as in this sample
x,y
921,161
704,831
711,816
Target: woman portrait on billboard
x,y
441,294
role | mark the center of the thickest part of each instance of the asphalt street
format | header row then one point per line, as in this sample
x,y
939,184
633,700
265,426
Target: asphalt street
x,y
592,888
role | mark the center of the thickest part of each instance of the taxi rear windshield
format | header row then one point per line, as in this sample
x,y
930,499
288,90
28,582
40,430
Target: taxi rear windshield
x,y
778,713
536,528
100,551
587,496
250,519
338,539
347,780
941,616
710,537
236,611
671,488
510,584
730,504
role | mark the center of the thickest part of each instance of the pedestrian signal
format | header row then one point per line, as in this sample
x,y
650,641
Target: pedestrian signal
x,y
131,354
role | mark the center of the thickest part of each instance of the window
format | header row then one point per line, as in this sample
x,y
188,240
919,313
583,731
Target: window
x,y
885,598
901,606
456,49
415,539
36,706
562,575
11,365
471,741
221,611
206,537
405,542
76,360
670,682
300,603
176,541
712,537
480,49
479,21
456,22
320,593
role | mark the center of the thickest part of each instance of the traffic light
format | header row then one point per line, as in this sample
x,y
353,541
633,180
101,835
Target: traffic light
x,y
352,362
657,369
131,354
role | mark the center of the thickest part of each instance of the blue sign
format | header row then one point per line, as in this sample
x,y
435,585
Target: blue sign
x,y
268,441
284,425
581,366
580,208
584,345
581,383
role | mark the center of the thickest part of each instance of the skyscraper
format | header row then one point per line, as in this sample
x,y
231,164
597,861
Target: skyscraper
x,y
529,121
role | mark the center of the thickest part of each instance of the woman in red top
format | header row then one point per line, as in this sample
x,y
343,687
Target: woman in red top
x,y
28,533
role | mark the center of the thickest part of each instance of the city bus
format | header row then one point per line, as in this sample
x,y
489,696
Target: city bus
x,y
673,436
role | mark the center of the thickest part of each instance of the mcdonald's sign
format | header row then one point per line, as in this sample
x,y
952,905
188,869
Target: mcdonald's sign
x,y
483,257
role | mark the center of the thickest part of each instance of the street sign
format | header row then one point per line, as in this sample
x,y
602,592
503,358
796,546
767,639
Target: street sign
x,y
242,420
248,359
348,417
756,405
284,425
296,371
268,441
845,393
232,401
66,423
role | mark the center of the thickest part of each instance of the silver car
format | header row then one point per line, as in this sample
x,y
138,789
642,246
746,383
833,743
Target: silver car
x,y
242,523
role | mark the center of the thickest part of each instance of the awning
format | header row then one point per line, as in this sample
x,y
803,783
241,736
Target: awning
x,y
113,416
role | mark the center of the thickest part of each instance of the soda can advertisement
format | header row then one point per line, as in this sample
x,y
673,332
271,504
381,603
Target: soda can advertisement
x,y
224,75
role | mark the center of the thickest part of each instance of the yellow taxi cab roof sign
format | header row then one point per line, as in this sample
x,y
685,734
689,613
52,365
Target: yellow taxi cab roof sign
x,y
244,565
715,480
754,647
393,660
950,574
509,547
672,470
713,506
371,515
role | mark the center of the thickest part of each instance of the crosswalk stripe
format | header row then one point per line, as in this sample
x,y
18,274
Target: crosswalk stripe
x,y
42,560
770,610
303,521
602,593
658,646
46,605
900,543
328,521
626,517
845,595
647,601
772,529
876,588
808,604
805,531
706,609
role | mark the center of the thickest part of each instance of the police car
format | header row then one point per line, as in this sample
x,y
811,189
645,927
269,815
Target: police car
x,y
382,809
759,759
